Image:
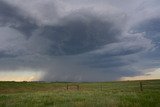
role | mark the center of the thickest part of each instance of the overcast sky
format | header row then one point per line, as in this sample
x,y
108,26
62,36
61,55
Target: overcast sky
x,y
79,40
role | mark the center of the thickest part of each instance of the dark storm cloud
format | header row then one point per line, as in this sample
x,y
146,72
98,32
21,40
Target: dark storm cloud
x,y
10,16
4,54
151,27
71,45
78,36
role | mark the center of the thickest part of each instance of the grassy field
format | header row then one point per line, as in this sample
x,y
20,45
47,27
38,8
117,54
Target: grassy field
x,y
106,94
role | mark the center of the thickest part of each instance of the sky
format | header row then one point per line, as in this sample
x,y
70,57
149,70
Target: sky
x,y
79,40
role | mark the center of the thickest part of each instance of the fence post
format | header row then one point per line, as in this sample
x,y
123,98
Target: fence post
x,y
67,86
77,87
141,86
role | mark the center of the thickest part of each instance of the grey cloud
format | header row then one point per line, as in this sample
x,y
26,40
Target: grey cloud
x,y
81,45
11,16
78,36
38,12
152,31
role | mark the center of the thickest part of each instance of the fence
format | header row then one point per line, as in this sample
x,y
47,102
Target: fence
x,y
118,86
72,85
115,86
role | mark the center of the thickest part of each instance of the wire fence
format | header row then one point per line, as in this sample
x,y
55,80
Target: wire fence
x,y
123,86
115,86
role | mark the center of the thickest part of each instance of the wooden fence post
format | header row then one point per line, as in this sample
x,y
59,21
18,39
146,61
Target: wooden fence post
x,y
141,86
77,87
67,86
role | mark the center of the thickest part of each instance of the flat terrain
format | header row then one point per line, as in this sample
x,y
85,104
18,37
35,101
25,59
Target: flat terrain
x,y
105,94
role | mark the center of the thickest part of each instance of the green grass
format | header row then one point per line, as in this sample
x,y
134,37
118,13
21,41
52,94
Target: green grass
x,y
106,94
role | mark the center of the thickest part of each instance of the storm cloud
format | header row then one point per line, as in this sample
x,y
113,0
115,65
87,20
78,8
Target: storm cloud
x,y
79,41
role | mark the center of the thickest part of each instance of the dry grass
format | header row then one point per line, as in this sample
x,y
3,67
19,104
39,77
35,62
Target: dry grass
x,y
106,94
